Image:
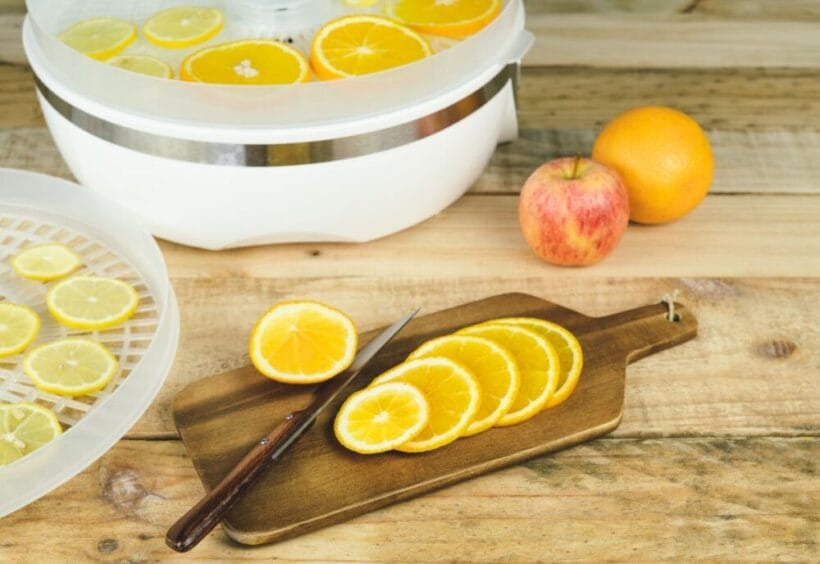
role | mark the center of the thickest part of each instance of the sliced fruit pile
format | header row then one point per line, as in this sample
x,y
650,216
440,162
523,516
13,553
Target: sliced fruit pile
x,y
352,45
72,366
498,373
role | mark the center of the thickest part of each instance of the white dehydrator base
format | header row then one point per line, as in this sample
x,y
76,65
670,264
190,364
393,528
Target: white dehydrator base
x,y
357,199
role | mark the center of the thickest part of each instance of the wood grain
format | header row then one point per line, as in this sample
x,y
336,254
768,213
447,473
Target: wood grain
x,y
610,499
756,344
319,483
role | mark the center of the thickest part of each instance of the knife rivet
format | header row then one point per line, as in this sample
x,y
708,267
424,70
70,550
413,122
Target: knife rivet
x,y
264,441
289,417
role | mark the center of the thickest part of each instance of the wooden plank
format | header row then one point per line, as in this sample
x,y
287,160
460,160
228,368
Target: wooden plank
x,y
11,46
784,10
608,499
729,381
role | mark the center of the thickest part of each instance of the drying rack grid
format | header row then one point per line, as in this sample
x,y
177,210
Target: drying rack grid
x,y
128,341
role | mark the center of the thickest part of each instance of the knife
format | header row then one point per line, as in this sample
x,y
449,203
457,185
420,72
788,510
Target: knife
x,y
205,515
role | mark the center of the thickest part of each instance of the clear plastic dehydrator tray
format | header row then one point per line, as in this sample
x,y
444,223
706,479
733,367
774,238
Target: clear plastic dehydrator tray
x,y
37,209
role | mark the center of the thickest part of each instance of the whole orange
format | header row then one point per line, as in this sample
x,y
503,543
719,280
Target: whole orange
x,y
664,158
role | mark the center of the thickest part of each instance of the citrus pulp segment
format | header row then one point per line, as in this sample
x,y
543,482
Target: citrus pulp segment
x,y
570,354
247,61
73,366
303,342
451,391
182,26
494,368
363,44
19,326
100,38
537,363
92,302
25,427
381,418
451,18
45,262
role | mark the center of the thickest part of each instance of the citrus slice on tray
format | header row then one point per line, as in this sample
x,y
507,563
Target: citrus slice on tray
x,y
363,44
25,427
452,393
75,366
19,326
537,363
92,302
45,262
182,26
381,418
303,342
570,355
143,64
451,18
248,61
494,368
100,38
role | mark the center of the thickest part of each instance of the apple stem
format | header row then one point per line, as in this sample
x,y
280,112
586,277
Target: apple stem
x,y
575,166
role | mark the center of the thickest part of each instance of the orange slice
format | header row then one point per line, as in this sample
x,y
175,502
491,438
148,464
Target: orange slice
x,y
570,355
451,18
381,418
364,44
494,368
303,342
537,362
452,393
249,61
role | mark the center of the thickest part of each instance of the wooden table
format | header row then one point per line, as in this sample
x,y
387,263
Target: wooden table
x,y
717,454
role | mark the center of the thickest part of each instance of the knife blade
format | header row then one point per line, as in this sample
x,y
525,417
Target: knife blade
x,y
192,527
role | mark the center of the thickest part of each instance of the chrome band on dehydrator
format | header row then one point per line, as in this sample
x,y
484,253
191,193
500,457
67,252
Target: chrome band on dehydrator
x,y
238,154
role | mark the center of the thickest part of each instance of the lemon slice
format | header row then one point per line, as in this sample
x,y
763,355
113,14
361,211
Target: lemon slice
x,y
74,366
92,302
19,326
381,418
450,18
248,61
494,368
363,44
303,342
570,354
182,26
100,38
45,262
143,64
451,391
537,362
25,427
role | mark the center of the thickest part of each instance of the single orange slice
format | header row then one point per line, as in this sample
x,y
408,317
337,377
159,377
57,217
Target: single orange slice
x,y
364,44
249,61
303,342
451,18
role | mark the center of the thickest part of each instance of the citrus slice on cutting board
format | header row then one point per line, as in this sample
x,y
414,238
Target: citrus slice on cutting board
x,y
19,326
100,38
381,418
182,26
45,262
451,391
451,18
494,368
570,354
143,64
92,302
74,366
303,342
25,427
247,61
363,44
537,363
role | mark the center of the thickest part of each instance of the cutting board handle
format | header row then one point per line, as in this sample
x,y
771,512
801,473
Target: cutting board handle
x,y
646,330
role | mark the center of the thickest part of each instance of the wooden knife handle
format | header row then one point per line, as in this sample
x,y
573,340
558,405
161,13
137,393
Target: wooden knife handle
x,y
205,515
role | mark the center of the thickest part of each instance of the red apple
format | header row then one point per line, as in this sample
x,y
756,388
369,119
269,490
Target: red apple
x,y
573,211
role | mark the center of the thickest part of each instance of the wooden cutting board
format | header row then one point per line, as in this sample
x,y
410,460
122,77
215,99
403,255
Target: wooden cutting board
x,y
319,483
